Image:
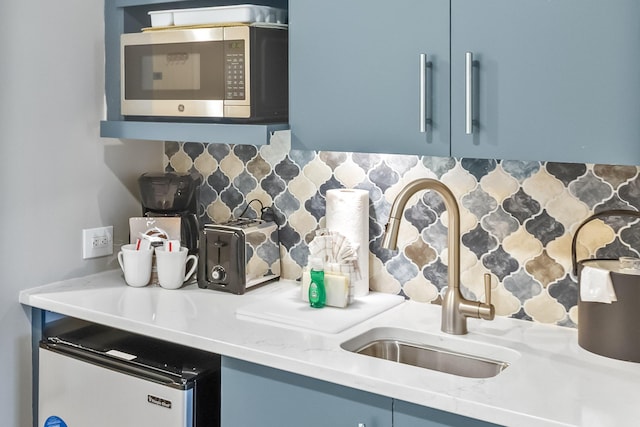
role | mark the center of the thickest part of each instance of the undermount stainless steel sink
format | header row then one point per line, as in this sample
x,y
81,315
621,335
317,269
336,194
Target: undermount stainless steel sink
x,y
437,359
442,354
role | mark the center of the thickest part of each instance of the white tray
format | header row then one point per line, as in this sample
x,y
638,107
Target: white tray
x,y
289,309
245,14
161,18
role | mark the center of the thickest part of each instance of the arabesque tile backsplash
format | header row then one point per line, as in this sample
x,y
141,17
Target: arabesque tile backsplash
x,y
517,218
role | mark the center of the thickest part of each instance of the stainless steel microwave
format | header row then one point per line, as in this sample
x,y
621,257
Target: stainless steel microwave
x,y
235,72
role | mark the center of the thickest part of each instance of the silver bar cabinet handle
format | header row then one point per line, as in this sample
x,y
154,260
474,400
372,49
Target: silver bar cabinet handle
x,y
424,96
468,92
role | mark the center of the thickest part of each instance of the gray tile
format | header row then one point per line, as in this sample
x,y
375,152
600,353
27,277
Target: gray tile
x,y
479,202
171,148
631,236
193,150
269,252
420,215
614,203
522,315
478,167
522,286
401,268
300,254
375,193
302,158
401,164
383,176
615,250
218,151
479,241
366,161
436,235
630,193
287,203
590,189
520,170
500,224
566,172
245,182
273,185
316,206
245,152
232,198
289,237
331,184
218,181
287,170
521,206
332,159
439,165
565,291
500,263
437,273
544,227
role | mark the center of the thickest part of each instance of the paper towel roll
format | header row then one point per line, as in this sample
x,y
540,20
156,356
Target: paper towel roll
x,y
348,214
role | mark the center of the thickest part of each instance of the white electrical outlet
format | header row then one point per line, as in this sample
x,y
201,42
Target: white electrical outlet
x,y
97,242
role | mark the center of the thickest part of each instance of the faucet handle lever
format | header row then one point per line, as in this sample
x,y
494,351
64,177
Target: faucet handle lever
x,y
486,310
487,288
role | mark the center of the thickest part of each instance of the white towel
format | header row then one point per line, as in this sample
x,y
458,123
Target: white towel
x,y
596,285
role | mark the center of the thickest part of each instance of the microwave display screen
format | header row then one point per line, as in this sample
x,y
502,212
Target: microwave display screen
x,y
175,71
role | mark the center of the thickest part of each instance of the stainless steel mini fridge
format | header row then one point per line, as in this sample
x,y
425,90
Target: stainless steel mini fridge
x,y
103,377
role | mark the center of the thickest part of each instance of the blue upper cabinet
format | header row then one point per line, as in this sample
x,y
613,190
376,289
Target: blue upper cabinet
x,y
356,78
551,80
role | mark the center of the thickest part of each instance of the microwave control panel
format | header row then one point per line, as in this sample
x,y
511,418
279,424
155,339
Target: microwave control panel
x,y
234,70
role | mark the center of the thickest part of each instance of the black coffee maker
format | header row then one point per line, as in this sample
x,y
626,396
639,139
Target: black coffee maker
x,y
172,194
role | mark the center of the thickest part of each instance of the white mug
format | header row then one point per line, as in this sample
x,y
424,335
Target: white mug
x,y
172,265
136,265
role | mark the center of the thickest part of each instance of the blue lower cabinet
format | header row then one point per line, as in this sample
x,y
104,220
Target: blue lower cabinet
x,y
255,395
409,415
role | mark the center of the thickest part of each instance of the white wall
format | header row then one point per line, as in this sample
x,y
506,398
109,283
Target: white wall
x,y
57,175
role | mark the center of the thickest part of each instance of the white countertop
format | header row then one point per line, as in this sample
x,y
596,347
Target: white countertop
x,y
551,380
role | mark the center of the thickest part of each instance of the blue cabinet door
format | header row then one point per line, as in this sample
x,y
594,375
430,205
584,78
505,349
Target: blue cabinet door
x,y
409,415
553,80
254,395
355,81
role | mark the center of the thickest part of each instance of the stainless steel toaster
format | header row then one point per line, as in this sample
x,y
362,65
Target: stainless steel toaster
x,y
238,255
